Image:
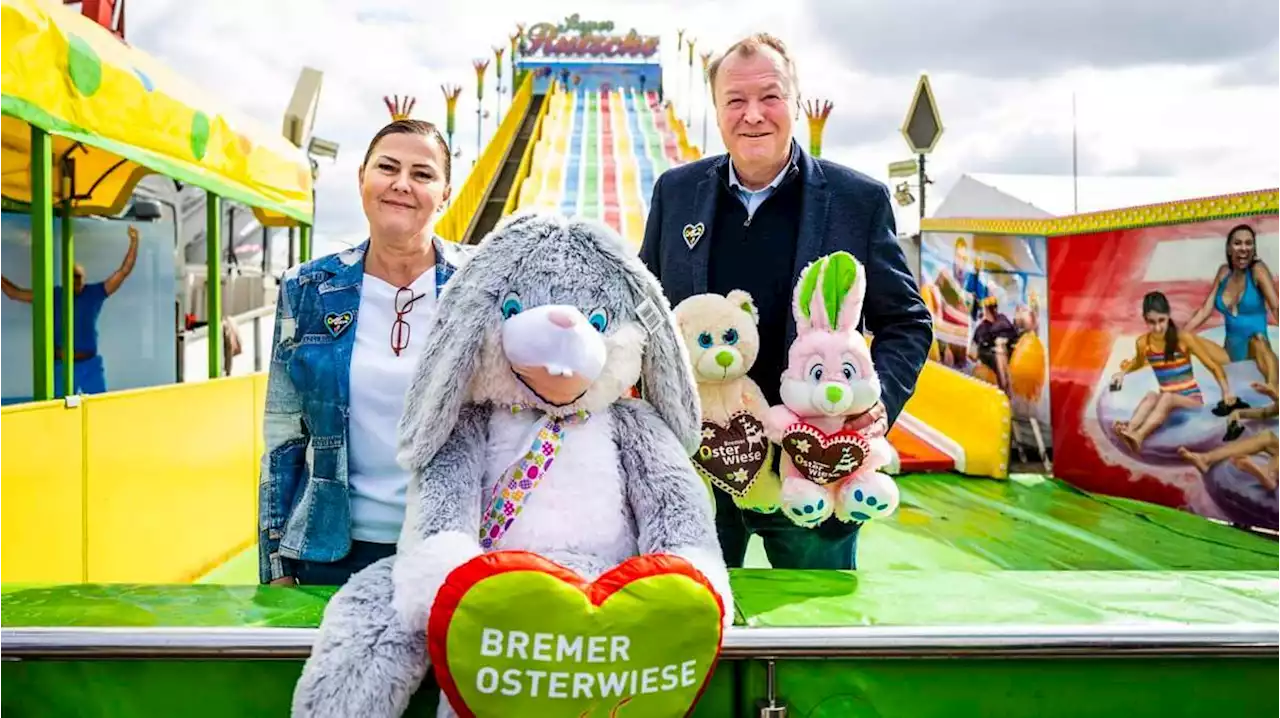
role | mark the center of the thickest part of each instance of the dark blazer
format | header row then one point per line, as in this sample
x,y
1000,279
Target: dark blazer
x,y
841,209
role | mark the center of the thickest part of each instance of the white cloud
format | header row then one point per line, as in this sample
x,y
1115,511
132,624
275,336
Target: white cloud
x,y
1202,118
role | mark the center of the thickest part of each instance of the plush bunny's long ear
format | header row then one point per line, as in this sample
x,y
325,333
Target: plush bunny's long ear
x,y
844,285
830,293
666,371
449,360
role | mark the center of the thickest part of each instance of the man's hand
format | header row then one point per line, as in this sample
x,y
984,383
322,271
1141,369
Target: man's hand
x,y
880,423
133,234
285,581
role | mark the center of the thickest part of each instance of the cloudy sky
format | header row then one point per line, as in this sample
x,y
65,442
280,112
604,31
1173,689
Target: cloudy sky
x,y
1168,88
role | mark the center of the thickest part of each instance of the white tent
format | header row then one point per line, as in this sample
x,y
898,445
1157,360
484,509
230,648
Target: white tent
x,y
1032,196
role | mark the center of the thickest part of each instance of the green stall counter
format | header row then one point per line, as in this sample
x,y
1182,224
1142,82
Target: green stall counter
x,y
877,644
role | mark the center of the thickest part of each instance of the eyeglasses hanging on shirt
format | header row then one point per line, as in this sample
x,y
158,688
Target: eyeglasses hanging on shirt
x,y
400,329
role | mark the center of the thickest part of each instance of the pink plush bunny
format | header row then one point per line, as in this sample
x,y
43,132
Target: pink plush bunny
x,y
829,463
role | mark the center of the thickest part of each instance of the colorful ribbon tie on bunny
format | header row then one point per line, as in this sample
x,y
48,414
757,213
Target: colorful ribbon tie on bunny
x,y
523,476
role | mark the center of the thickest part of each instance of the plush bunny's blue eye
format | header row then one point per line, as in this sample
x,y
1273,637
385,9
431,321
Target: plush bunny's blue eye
x,y
599,319
849,371
816,373
731,336
511,305
705,341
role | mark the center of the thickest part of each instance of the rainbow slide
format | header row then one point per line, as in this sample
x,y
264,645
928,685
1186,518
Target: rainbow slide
x,y
598,157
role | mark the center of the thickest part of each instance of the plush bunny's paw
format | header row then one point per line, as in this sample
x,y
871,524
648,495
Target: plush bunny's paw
x,y
804,502
363,662
710,563
867,497
420,570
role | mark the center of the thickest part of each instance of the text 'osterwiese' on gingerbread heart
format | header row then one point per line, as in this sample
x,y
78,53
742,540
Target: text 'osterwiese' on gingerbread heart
x,y
514,634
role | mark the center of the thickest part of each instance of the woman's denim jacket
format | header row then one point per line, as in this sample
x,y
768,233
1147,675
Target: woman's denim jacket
x,y
304,507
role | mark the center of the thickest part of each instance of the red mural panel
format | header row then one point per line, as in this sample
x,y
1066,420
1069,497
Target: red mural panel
x,y
1130,419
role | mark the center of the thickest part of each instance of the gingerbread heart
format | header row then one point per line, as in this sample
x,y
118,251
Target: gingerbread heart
x,y
732,456
824,458
514,634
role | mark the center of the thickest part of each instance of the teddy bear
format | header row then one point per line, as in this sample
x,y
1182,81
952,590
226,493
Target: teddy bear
x,y
830,462
538,338
722,337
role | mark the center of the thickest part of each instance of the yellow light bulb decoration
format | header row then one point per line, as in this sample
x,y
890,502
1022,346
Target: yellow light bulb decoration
x,y
400,109
817,111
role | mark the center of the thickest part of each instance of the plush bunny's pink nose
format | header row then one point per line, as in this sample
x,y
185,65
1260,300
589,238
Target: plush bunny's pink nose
x,y
561,318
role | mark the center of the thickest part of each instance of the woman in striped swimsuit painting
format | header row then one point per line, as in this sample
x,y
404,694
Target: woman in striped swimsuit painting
x,y
1168,351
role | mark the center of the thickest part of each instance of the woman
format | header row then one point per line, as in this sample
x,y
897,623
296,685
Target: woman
x,y
1243,293
1168,351
349,327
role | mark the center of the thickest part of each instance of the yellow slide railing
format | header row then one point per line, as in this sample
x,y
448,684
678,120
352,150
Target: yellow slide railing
x,y
513,197
688,152
131,486
470,198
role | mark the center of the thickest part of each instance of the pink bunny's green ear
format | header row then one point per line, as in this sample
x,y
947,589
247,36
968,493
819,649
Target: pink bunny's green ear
x,y
830,293
806,305
844,286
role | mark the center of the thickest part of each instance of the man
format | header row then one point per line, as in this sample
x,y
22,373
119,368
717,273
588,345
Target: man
x,y
993,341
752,220
90,374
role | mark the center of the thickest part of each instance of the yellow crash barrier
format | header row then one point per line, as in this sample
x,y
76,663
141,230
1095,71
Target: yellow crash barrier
x,y
152,485
42,462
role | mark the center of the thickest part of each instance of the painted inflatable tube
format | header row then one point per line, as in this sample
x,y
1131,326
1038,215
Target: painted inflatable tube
x,y
1197,429
1242,497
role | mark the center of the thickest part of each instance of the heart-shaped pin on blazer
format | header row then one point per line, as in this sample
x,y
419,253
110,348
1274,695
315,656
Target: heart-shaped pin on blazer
x,y
692,233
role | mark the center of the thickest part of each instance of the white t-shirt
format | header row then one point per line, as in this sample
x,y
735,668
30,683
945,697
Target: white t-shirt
x,y
379,381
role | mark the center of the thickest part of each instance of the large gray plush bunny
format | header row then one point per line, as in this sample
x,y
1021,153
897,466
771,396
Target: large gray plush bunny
x,y
544,302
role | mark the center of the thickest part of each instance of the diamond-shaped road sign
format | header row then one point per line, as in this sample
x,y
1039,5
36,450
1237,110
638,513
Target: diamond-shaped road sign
x,y
923,126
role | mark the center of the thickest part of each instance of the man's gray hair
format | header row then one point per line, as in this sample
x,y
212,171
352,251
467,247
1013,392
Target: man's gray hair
x,y
749,46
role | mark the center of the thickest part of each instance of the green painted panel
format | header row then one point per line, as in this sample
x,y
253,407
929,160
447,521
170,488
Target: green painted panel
x,y
1070,688
194,689
1043,688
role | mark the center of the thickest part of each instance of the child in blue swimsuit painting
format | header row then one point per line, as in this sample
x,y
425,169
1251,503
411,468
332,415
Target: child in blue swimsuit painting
x,y
1244,293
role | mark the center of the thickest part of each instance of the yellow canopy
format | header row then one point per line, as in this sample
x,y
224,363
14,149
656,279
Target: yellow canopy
x,y
121,115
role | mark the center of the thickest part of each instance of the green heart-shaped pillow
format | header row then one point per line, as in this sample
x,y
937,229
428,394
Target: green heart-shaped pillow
x,y
514,634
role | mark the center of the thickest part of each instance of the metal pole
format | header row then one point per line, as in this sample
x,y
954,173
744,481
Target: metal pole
x,y
304,234
266,251
922,183
293,233
68,377
41,264
1075,193
213,281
